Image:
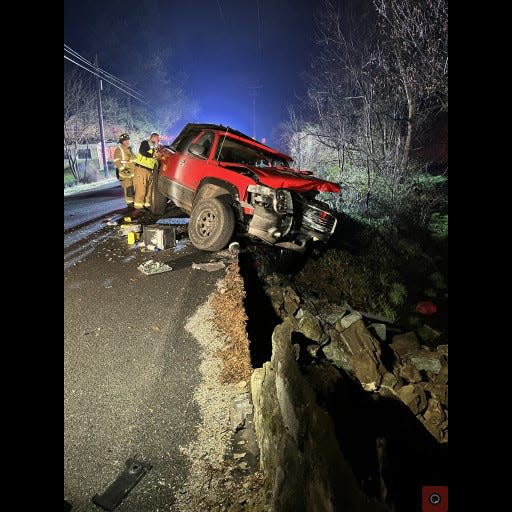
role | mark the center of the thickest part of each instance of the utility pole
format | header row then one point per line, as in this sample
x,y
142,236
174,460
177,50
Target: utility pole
x,y
100,115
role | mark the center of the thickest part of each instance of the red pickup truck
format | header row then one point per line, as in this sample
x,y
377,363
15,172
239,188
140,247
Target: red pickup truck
x,y
230,183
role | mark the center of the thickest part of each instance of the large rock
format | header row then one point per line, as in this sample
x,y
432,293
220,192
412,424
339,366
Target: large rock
x,y
404,344
310,326
389,385
443,349
291,301
347,321
435,419
428,361
364,353
410,373
414,397
380,330
434,413
336,351
333,313
438,391
304,467
442,376
275,294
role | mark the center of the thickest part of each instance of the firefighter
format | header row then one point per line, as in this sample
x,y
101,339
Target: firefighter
x,y
124,160
144,164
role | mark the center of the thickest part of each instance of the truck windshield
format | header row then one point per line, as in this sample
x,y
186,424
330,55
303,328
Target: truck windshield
x,y
184,139
237,152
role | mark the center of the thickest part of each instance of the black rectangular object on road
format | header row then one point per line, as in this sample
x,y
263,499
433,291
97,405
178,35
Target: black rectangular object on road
x,y
122,485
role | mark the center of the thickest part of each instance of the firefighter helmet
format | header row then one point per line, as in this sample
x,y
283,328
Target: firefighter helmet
x,y
124,136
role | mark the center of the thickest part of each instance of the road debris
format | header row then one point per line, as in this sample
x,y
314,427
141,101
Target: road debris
x,y
234,248
133,237
122,485
209,267
124,229
162,237
176,221
151,267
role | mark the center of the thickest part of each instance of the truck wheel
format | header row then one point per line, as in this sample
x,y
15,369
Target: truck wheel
x,y
158,200
211,224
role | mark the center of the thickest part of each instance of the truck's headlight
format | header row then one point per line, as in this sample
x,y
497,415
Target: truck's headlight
x,y
283,201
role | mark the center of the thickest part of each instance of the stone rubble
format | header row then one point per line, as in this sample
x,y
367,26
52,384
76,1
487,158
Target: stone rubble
x,y
353,342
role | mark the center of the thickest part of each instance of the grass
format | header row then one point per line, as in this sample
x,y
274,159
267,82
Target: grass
x,y
380,271
69,179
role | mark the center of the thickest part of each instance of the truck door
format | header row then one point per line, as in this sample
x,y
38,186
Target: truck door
x,y
191,168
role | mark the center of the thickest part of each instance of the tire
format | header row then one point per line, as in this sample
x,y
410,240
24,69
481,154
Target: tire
x,y
211,224
158,200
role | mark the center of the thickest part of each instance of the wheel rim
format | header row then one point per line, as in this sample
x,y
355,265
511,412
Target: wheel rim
x,y
206,223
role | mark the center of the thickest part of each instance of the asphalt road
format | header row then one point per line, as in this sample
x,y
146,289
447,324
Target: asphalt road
x,y
130,367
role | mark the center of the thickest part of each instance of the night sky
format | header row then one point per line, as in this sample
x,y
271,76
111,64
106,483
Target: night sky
x,y
222,46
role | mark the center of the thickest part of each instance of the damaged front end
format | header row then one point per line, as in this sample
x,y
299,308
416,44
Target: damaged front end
x,y
287,219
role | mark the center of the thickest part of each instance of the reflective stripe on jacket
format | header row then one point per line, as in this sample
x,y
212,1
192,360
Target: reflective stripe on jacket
x,y
145,155
144,161
123,157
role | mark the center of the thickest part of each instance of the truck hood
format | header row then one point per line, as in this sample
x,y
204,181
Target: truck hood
x,y
289,179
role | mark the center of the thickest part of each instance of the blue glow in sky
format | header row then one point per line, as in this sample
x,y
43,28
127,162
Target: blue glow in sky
x,y
224,47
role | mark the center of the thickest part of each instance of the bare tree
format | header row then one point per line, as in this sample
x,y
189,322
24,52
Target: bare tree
x,y
415,36
80,116
369,93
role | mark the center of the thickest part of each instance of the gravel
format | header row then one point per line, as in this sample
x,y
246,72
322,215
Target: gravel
x,y
207,451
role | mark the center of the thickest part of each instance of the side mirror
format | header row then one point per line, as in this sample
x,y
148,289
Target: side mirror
x,y
196,149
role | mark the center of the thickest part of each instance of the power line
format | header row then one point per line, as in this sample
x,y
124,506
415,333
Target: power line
x,y
103,78
126,85
78,56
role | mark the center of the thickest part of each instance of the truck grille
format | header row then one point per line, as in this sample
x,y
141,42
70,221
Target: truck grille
x,y
317,219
